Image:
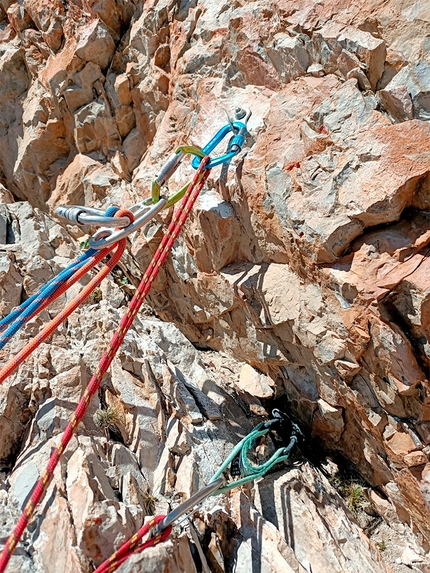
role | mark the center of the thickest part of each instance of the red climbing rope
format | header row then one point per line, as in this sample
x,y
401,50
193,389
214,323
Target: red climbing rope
x,y
119,247
47,330
151,273
82,271
133,545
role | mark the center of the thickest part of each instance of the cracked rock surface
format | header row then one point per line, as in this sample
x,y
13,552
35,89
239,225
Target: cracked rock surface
x,y
301,278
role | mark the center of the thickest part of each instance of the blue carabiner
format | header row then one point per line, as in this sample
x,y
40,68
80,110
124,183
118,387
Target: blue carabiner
x,y
240,131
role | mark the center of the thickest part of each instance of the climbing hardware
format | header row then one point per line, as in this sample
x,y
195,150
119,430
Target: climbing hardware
x,y
160,527
115,226
158,259
57,286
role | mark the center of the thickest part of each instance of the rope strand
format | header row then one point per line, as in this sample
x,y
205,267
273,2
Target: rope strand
x,y
133,545
151,273
53,288
47,330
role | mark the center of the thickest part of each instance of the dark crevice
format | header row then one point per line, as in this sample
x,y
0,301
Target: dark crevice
x,y
344,478
8,464
113,433
388,305
196,557
407,214
229,539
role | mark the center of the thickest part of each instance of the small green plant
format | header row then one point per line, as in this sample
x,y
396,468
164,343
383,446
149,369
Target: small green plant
x,y
381,545
351,491
106,418
149,501
124,281
355,497
84,245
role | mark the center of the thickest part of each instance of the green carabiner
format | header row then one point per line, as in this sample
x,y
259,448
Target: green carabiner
x,y
249,470
167,171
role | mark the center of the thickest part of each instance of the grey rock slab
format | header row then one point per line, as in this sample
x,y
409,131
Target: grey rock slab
x,y
407,96
3,229
95,44
313,519
260,545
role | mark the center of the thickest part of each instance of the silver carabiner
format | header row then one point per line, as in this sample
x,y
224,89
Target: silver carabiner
x,y
81,215
186,506
105,237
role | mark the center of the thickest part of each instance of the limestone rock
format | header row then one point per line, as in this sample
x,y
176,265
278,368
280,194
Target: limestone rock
x,y
254,383
301,274
48,17
18,17
84,182
408,93
278,558
324,542
14,86
170,558
409,557
10,282
95,44
338,45
328,421
5,195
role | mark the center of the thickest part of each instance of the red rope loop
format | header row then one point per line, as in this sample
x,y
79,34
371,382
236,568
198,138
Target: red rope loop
x,y
178,221
125,213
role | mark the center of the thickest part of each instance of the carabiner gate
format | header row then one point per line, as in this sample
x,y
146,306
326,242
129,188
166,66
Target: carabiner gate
x,y
171,166
81,215
239,128
186,506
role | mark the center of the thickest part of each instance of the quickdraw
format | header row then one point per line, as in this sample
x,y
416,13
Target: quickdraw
x,y
248,469
103,241
149,208
162,525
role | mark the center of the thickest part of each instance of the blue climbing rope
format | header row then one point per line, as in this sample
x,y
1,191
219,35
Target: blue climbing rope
x,y
20,315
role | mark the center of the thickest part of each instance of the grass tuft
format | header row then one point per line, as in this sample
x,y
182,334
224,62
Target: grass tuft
x,y
106,418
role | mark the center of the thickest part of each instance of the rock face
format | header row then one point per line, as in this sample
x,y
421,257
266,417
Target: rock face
x,y
301,275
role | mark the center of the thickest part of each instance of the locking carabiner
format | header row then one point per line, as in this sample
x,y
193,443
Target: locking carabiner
x,y
239,129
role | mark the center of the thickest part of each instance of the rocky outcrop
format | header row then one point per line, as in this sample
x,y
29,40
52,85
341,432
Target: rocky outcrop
x,y
301,275
169,401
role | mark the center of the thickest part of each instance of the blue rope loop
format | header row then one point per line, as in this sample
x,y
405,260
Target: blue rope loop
x,y
20,315
111,211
